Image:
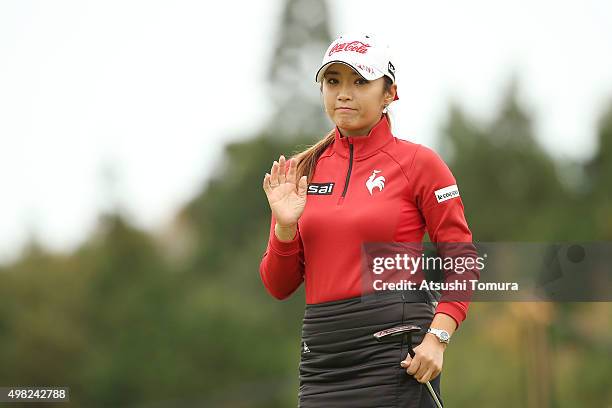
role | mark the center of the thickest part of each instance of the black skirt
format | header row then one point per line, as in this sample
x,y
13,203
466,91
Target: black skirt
x,y
343,365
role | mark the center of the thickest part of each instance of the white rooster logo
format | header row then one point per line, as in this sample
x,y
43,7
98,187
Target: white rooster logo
x,y
374,181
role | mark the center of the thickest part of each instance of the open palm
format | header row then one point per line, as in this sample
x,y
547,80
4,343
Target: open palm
x,y
286,194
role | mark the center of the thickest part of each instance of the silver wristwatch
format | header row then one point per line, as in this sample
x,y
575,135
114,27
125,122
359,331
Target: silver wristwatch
x,y
442,335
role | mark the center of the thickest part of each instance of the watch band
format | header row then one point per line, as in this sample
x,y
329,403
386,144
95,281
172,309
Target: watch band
x,y
442,335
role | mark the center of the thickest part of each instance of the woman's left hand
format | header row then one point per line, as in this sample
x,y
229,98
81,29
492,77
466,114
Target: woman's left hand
x,y
428,358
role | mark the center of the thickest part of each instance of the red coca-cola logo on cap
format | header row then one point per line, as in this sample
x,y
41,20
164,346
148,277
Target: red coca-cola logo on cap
x,y
355,46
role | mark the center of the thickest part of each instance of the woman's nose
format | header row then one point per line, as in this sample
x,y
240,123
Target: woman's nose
x,y
344,94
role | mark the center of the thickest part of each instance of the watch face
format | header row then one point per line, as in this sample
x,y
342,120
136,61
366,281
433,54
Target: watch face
x,y
444,335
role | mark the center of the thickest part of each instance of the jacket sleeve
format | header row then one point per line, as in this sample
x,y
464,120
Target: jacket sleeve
x,y
282,265
444,217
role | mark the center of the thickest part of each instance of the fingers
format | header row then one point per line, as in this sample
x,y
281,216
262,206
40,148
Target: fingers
x,y
302,185
434,374
278,172
291,173
274,174
266,184
413,365
426,376
282,171
421,367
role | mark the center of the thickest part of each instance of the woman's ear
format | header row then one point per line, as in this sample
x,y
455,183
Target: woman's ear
x,y
391,94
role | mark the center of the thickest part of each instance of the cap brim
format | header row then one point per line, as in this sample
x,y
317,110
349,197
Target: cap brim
x,y
366,75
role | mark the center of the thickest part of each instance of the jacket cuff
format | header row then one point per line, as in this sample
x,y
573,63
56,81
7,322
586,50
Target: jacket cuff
x,y
285,248
453,310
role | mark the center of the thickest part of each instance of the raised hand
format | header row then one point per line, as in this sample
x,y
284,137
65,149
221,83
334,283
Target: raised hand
x,y
286,194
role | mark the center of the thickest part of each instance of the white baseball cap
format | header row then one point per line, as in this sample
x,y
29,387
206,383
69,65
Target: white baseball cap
x,y
363,53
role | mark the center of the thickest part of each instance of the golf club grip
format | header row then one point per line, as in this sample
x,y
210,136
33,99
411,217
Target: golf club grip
x,y
434,395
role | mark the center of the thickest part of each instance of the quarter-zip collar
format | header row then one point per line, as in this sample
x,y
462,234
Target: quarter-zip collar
x,y
364,146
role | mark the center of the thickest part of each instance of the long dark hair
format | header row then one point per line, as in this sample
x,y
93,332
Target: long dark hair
x,y
307,159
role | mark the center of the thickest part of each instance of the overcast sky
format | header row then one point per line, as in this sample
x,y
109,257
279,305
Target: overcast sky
x,y
154,89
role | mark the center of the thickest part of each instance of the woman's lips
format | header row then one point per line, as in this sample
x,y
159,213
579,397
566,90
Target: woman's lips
x,y
345,109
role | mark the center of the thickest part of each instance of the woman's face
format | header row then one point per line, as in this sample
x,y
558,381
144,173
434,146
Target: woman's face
x,y
353,103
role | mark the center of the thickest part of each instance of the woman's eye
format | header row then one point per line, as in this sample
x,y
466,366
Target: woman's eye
x,y
361,81
332,81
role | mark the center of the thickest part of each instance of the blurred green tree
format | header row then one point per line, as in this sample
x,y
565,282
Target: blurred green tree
x,y
507,181
302,34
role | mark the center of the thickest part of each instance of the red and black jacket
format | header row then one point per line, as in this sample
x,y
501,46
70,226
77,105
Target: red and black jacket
x,y
348,204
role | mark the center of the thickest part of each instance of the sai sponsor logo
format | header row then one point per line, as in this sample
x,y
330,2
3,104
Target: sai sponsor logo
x,y
320,188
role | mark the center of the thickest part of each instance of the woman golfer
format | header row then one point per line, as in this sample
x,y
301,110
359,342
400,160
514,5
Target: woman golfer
x,y
360,184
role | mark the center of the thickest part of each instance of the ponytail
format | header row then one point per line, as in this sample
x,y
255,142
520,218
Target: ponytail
x,y
307,160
